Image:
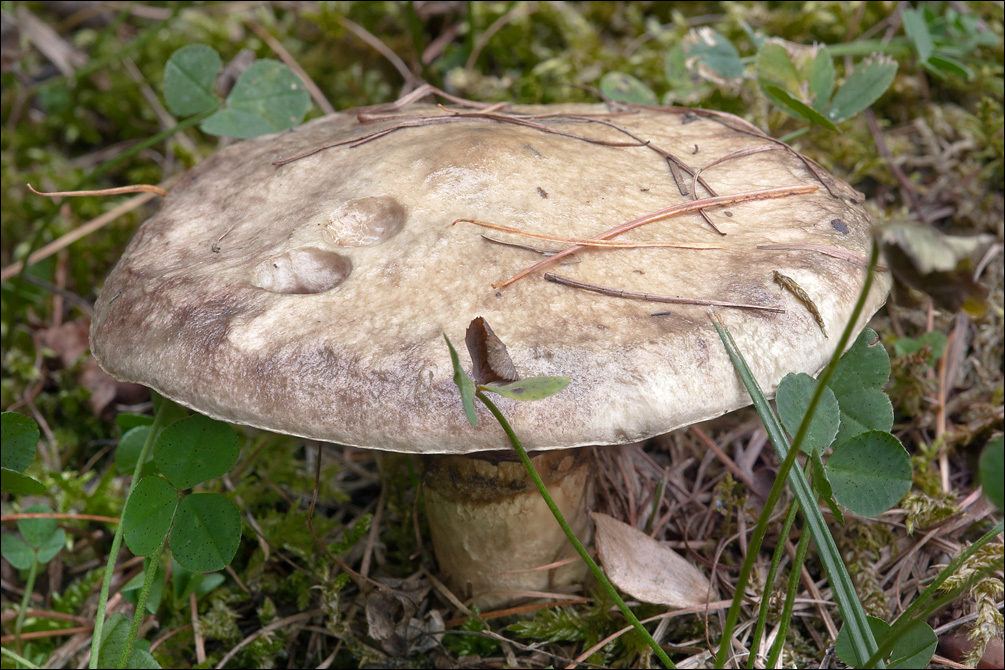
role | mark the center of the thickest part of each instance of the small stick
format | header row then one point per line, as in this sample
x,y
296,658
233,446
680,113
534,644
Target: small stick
x,y
683,208
120,190
291,62
653,297
728,157
77,233
834,252
589,243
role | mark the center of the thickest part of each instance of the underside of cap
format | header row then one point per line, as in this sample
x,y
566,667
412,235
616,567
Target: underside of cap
x,y
311,297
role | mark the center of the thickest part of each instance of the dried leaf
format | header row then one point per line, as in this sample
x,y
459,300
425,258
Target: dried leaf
x,y
395,619
646,569
940,265
789,284
489,358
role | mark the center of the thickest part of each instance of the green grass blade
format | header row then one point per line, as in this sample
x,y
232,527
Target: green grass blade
x,y
830,557
776,561
924,605
844,592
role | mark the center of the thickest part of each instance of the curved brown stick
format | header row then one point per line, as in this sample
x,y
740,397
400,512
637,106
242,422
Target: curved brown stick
x,y
120,190
607,244
654,297
683,208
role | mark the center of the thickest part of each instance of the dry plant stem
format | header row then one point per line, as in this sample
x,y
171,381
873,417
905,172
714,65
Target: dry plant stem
x,y
608,244
120,190
83,231
381,48
200,641
653,297
452,117
275,625
9,518
702,609
291,62
683,208
580,549
833,252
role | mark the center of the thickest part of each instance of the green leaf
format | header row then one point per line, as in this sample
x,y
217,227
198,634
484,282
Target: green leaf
x,y
822,486
775,68
867,82
16,551
797,108
718,54
113,640
675,68
37,531
141,659
917,32
131,589
870,473
626,88
793,398
992,472
196,449
464,384
865,365
18,484
51,545
860,635
862,410
185,582
935,340
130,446
531,388
237,123
147,517
188,80
942,64
18,435
266,99
206,533
822,79
913,650
126,421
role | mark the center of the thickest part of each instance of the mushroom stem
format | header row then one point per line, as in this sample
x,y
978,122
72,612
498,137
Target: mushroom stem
x,y
490,527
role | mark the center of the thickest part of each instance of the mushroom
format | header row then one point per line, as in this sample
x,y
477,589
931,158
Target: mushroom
x,y
302,283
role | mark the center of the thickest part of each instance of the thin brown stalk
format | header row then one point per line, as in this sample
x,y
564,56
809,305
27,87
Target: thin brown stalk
x,y
517,245
381,48
589,243
452,117
749,151
683,208
119,190
654,297
291,62
834,252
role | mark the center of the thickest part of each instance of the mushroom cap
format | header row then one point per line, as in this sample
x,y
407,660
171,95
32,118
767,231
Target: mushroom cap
x,y
311,298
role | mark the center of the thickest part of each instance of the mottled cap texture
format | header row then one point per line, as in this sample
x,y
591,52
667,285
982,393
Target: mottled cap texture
x,y
310,296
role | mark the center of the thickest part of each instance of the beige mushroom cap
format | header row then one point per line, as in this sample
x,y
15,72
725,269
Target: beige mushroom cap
x,y
312,298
